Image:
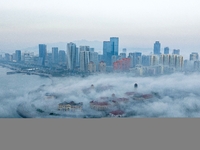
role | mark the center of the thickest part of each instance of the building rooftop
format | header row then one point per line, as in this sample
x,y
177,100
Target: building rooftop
x,y
99,103
117,112
71,103
129,93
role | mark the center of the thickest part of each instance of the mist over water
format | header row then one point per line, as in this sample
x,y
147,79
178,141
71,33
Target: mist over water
x,y
179,93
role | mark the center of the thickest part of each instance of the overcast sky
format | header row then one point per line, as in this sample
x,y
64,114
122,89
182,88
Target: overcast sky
x,y
175,23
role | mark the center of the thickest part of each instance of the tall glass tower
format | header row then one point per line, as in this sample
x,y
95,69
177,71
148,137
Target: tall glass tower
x,y
110,48
18,55
156,49
43,52
71,55
114,45
55,55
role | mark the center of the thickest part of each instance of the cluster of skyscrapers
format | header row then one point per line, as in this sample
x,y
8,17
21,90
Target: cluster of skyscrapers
x,y
85,59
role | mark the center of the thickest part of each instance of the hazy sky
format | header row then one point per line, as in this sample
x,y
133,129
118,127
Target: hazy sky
x,y
175,23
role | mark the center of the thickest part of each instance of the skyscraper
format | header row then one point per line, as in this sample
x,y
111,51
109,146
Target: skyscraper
x,y
179,62
107,52
166,50
110,48
62,57
94,58
154,60
166,59
123,55
136,58
156,49
84,48
55,55
124,50
114,45
42,53
146,60
84,60
71,55
18,55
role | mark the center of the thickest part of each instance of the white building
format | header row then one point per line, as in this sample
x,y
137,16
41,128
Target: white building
x,y
179,63
154,60
172,60
166,59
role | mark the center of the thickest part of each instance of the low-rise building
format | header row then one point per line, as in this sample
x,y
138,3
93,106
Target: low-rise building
x,y
100,106
120,100
50,96
117,113
70,106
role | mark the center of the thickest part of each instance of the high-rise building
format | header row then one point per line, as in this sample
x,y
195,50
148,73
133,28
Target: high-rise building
x,y
91,49
179,62
107,54
110,48
146,60
194,56
102,66
131,60
196,65
124,50
154,60
43,53
71,56
48,61
172,60
7,57
62,57
84,48
166,59
77,57
55,55
28,58
100,58
123,55
114,59
18,55
176,51
161,59
84,60
156,49
91,66
137,58
94,58
166,50
122,65
114,45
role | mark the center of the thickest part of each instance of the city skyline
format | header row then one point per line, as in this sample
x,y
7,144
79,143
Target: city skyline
x,y
138,24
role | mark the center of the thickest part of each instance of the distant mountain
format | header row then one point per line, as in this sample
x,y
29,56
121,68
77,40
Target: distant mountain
x,y
97,45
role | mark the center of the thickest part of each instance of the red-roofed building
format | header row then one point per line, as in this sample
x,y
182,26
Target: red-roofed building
x,y
117,113
101,106
120,100
122,65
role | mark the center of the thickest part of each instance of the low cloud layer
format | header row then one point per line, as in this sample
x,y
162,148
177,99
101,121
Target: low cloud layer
x,y
179,94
